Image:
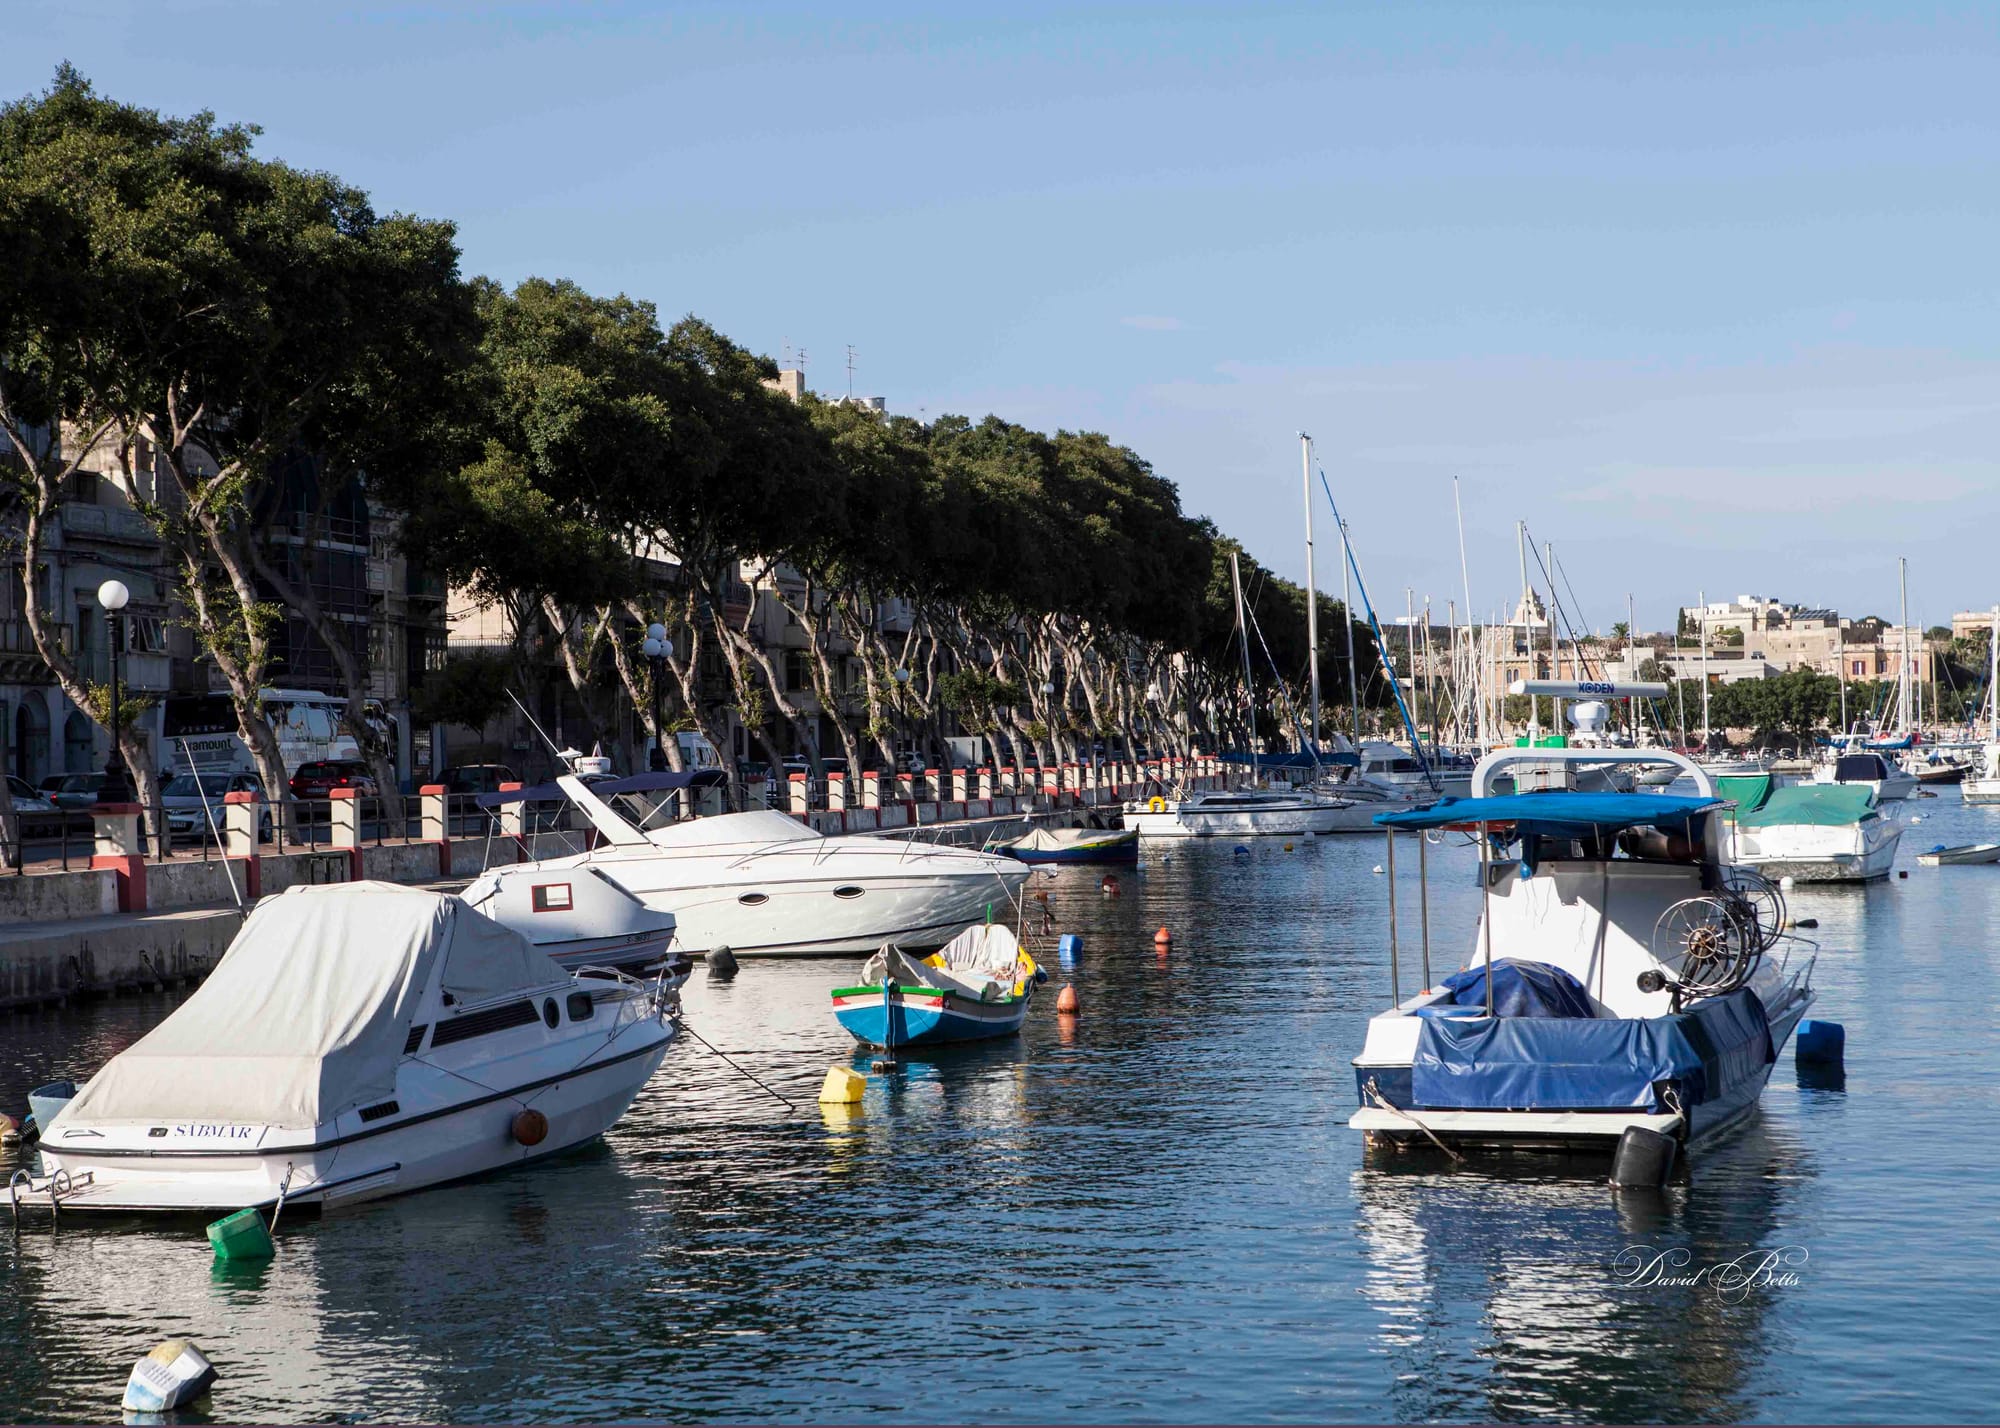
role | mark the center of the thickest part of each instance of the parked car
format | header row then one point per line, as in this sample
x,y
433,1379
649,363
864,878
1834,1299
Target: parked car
x,y
187,815
35,810
76,790
319,778
477,778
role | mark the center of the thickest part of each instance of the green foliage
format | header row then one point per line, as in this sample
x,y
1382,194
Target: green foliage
x,y
471,690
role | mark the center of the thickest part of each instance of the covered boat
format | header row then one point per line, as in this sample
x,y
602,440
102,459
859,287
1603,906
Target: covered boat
x,y
1074,845
1618,976
1811,832
355,1041
978,985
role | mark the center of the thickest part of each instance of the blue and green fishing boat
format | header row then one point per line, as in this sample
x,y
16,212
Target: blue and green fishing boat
x,y
976,986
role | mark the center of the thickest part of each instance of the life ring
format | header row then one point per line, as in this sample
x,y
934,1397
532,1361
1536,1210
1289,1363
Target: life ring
x,y
1158,805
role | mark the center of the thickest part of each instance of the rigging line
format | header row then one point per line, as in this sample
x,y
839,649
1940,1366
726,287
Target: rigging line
x,y
1575,644
1381,644
732,1065
1305,740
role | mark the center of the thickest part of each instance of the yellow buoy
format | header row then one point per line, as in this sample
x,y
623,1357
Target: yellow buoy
x,y
842,1087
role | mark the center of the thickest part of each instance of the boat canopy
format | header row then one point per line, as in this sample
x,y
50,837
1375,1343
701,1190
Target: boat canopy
x,y
608,787
1746,791
307,1013
1557,813
1825,805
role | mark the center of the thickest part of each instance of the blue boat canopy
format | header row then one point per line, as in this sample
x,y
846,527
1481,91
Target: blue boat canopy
x,y
1558,814
607,787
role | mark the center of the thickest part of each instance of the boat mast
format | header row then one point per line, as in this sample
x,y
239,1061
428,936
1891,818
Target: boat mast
x,y
1903,678
1249,680
1347,614
1840,668
1312,591
1409,639
1528,628
1430,676
1702,597
1555,649
1631,646
1993,680
1472,621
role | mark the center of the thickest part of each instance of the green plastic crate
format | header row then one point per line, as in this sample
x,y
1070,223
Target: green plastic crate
x,y
242,1236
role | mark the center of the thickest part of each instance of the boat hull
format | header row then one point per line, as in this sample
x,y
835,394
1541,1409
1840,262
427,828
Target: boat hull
x,y
924,1016
1980,790
1290,821
441,1145
1113,848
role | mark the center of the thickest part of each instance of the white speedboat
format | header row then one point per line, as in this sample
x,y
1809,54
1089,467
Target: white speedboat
x,y
1234,813
1882,777
579,918
1982,783
357,1040
1810,832
1388,766
1614,979
764,884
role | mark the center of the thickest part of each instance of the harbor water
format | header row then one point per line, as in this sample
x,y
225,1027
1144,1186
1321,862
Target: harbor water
x,y
1153,1212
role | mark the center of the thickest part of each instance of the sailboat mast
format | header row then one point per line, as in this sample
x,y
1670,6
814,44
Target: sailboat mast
x,y
1528,627
1840,667
1702,597
1312,588
1347,617
1993,680
1555,649
1249,680
1903,678
1472,622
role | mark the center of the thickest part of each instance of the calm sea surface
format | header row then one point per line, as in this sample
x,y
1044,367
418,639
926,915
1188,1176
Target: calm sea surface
x,y
1154,1213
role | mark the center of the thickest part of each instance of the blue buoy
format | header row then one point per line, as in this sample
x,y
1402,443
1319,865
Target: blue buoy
x,y
1068,948
1822,1043
1241,851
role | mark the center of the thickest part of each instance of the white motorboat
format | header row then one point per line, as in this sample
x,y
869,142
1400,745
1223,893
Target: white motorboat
x,y
1810,832
1615,979
1967,853
1888,781
1983,784
764,884
578,919
357,1040
1234,813
1387,766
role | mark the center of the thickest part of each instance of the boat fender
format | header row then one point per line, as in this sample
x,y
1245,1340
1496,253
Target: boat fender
x,y
1066,1002
1821,1043
1241,851
531,1127
1158,805
721,963
1645,1158
1069,947
173,1374
843,1087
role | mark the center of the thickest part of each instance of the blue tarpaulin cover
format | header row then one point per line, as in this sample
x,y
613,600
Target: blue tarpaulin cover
x,y
1522,988
1557,813
1573,1064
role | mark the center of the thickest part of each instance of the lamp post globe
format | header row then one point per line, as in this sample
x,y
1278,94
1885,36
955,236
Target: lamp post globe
x,y
117,787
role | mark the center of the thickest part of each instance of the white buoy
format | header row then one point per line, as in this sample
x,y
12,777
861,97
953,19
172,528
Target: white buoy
x,y
1785,881
1377,870
173,1374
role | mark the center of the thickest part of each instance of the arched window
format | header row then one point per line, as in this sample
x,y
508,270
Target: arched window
x,y
79,744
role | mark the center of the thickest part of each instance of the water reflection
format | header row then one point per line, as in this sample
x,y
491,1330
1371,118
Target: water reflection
x,y
1513,1294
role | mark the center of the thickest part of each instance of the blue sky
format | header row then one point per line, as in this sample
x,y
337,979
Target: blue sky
x,y
1704,293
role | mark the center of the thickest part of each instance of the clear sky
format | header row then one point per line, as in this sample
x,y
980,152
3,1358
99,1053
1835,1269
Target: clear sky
x,y
1704,293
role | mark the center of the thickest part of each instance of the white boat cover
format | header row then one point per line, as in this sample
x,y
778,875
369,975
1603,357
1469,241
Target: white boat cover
x,y
980,963
306,1014
1058,840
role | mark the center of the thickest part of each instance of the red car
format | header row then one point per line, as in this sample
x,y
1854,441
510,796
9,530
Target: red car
x,y
319,778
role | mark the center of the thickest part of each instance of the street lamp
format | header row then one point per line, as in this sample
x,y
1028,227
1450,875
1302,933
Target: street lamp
x,y
658,649
113,596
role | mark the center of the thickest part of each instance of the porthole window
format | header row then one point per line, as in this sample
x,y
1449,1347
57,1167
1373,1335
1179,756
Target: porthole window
x,y
550,1015
848,891
754,899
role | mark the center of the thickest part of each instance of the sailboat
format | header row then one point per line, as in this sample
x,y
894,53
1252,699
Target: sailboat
x,y
1873,761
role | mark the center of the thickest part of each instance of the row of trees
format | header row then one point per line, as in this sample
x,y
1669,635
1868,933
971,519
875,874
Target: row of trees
x,y
192,318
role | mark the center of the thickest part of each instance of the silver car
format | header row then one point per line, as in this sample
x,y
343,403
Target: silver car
x,y
188,817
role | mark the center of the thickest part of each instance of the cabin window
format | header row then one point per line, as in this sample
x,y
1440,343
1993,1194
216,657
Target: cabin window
x,y
581,1006
553,897
551,1018
754,899
848,891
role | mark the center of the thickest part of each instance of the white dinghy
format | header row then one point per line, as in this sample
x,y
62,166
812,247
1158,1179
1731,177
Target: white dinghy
x,y
355,1041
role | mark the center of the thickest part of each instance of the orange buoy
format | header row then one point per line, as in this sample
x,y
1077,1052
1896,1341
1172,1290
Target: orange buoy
x,y
1066,1003
531,1127
1162,937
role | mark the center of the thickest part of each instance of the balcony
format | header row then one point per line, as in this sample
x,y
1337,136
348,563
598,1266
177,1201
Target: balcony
x,y
117,523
